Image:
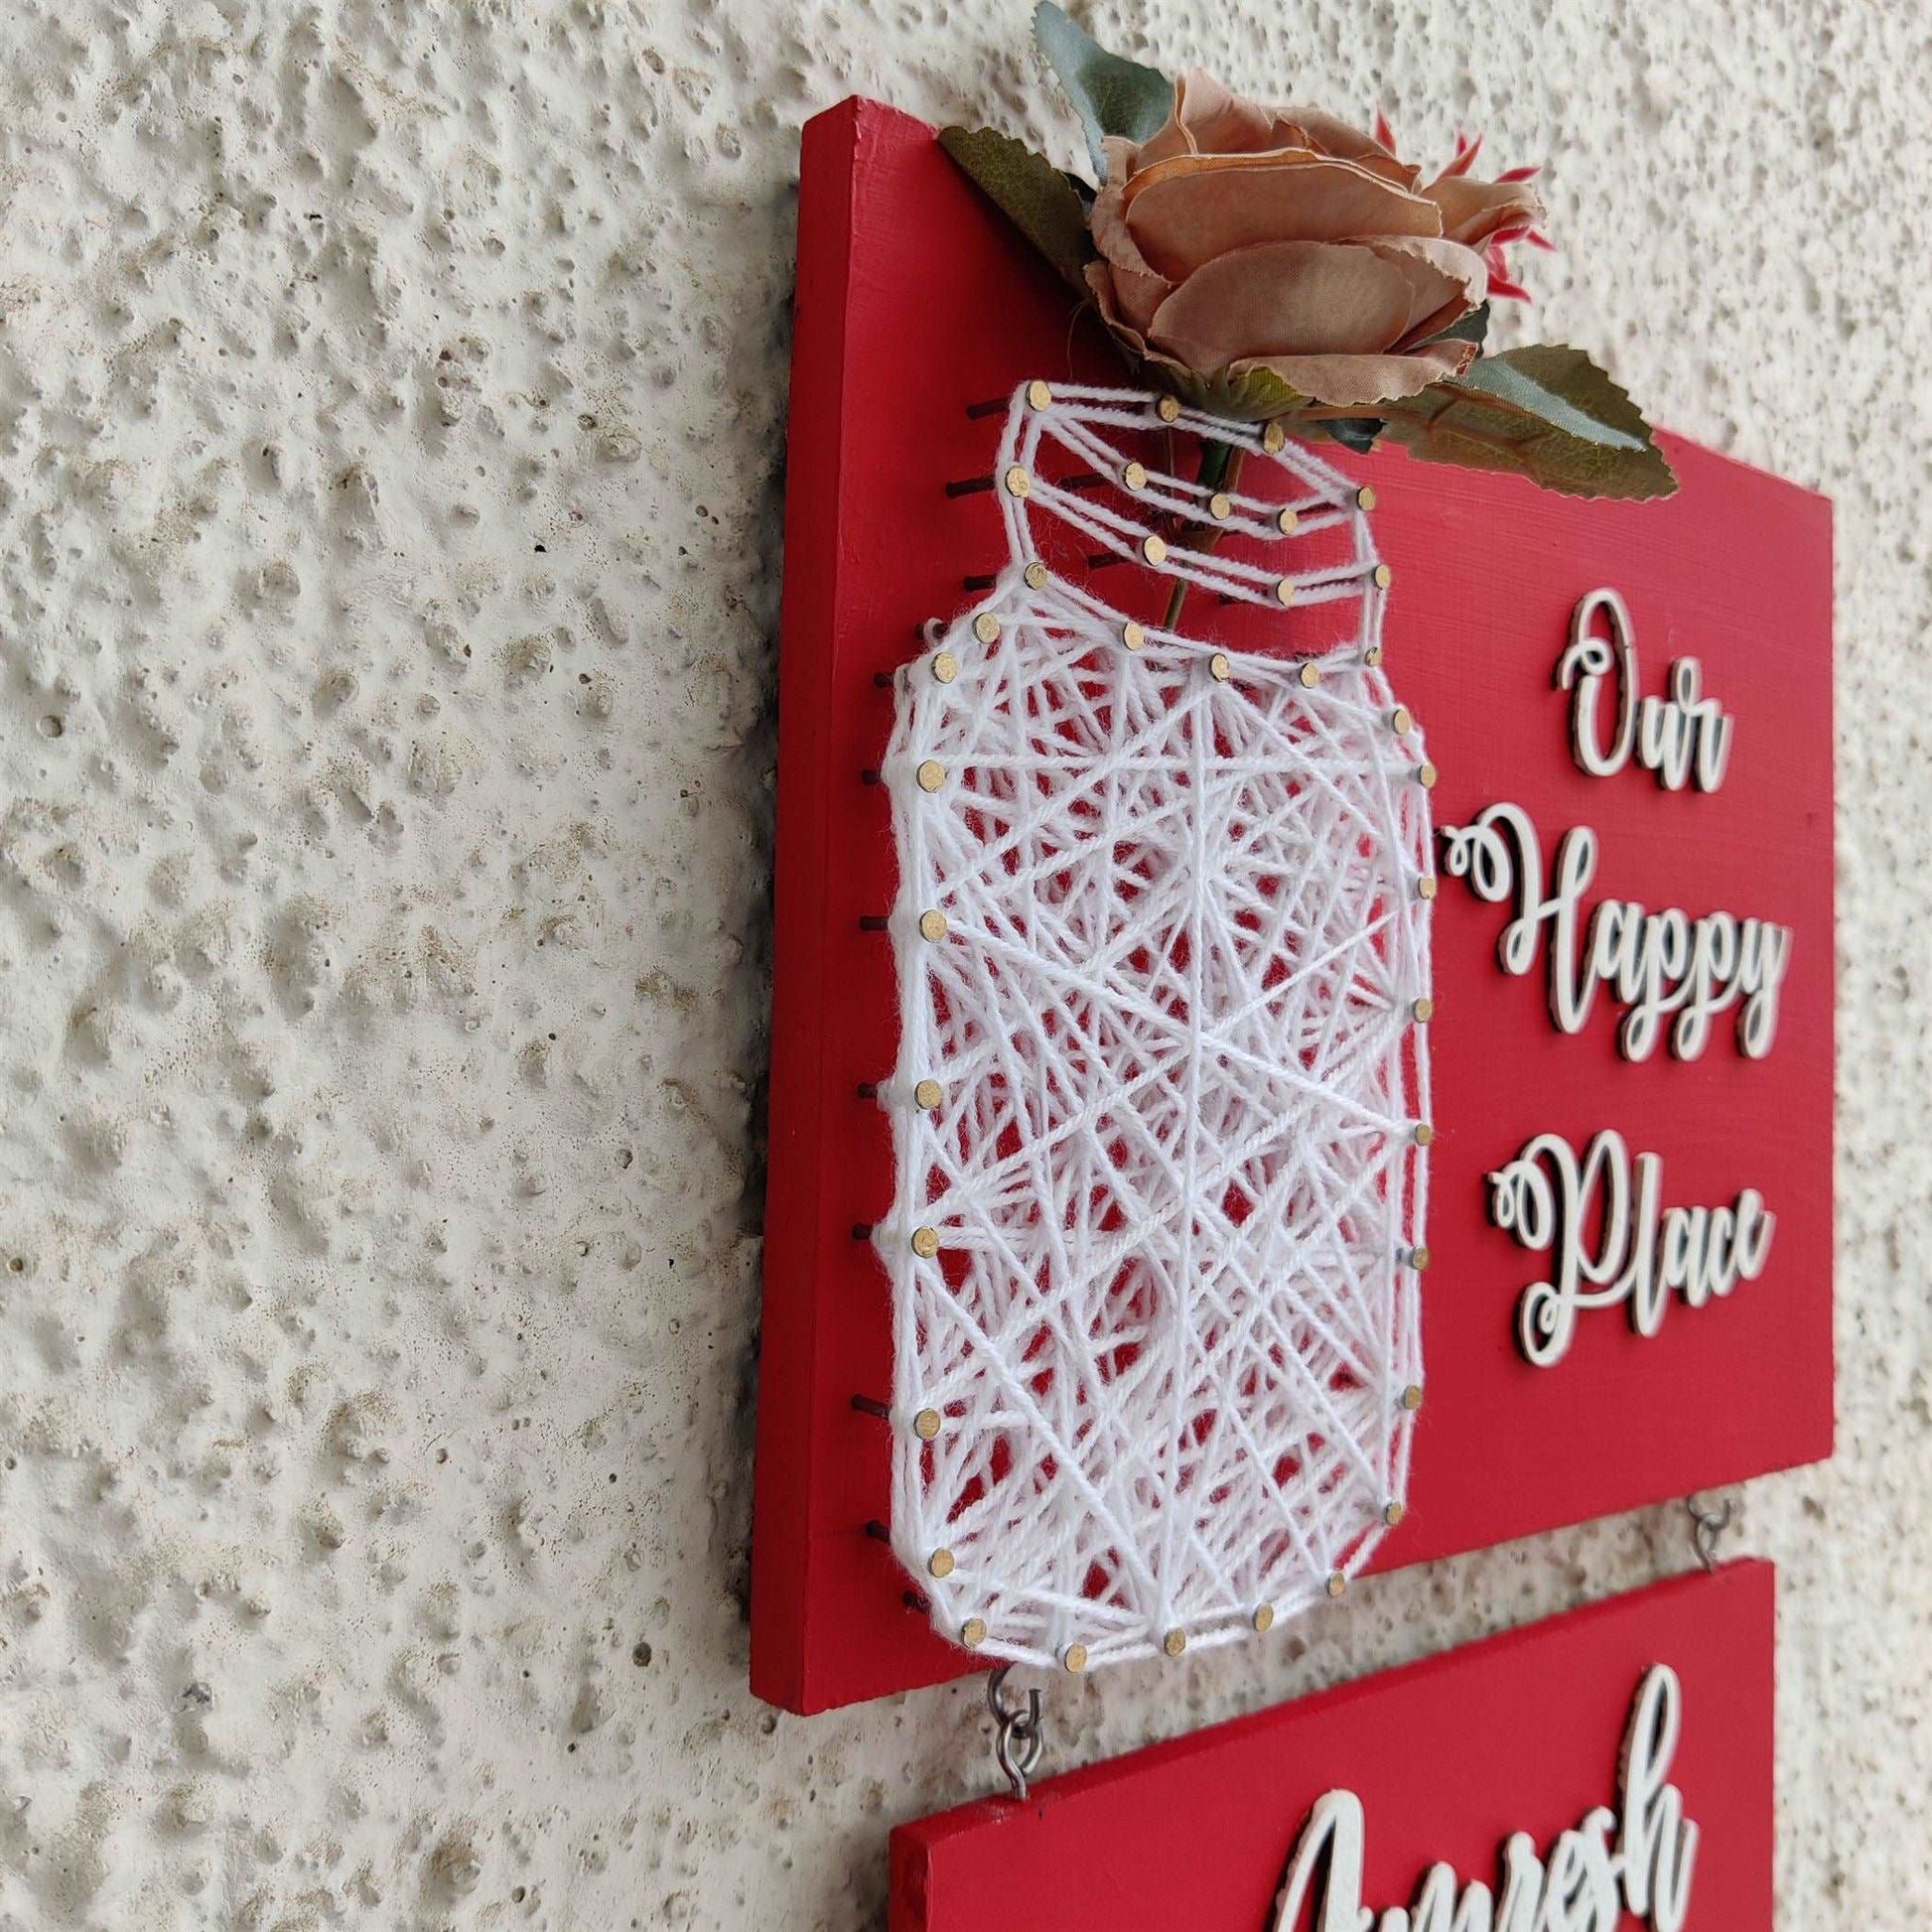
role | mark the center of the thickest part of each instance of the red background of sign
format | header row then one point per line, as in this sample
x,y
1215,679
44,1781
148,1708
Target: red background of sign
x,y
1449,1755
913,299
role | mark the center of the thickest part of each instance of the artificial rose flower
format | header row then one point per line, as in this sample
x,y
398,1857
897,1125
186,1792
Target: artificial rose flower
x,y
1244,243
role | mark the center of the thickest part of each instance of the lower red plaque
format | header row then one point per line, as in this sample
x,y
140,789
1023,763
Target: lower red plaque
x,y
1608,1767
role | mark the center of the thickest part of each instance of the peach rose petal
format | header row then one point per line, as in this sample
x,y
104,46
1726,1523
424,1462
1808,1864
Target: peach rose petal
x,y
1184,213
1326,135
1100,279
1297,298
1362,381
1445,279
1211,118
1172,137
1122,302
1140,290
1473,211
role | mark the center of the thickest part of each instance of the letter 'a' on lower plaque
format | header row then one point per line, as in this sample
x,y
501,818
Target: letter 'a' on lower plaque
x,y
1623,1750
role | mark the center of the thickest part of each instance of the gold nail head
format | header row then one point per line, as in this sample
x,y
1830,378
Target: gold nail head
x,y
928,1094
945,668
1426,776
1154,549
1038,576
971,1633
1412,1397
939,1563
1287,523
925,1424
1263,1618
1218,667
1285,591
986,628
1310,675
1133,637
1220,506
1274,439
1038,395
1419,1259
1169,410
932,925
931,774
1384,577
1423,1135
1074,1656
1174,1642
1424,1009
1338,1582
1393,1513
1366,499
926,1243
1018,483
1400,722
1135,476
1425,887
1373,655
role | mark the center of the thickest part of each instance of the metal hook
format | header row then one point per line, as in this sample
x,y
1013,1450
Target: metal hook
x,y
1707,1525
1018,1740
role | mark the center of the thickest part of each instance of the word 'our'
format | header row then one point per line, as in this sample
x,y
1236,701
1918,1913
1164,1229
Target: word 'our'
x,y
1643,1252
1636,1859
1680,737
1661,966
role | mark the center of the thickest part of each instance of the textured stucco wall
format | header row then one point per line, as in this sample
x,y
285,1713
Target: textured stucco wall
x,y
391,401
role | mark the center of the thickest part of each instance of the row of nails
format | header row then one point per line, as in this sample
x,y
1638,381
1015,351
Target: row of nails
x,y
944,666
1040,396
971,1633
1135,479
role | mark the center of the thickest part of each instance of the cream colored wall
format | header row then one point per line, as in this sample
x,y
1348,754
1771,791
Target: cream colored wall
x,y
391,402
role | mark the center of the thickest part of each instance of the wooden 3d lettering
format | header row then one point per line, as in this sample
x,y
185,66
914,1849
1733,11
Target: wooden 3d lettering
x,y
1032,824
1639,1856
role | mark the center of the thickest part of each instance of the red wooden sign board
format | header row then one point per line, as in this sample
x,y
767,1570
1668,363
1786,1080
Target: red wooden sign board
x,y
915,300
1449,1757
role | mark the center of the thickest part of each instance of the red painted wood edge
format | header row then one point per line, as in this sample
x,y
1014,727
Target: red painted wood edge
x,y
1520,1732
781,1549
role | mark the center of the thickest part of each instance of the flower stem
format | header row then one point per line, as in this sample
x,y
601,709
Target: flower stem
x,y
1220,467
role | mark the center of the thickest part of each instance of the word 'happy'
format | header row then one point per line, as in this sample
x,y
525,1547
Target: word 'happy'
x,y
1658,964
1586,1883
1548,1200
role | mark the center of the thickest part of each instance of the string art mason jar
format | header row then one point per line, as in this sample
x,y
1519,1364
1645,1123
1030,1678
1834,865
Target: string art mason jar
x,y
1160,1111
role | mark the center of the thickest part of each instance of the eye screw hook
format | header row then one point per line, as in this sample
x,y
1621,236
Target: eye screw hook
x,y
1017,1742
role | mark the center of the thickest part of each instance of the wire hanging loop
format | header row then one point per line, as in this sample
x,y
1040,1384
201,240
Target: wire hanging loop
x,y
1707,1525
1018,1740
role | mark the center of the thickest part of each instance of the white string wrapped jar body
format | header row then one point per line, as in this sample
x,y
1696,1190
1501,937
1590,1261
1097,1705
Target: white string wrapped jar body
x,y
1161,1110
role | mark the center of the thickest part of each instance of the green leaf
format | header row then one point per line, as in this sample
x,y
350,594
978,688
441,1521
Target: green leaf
x,y
1473,327
1357,433
1546,412
1112,95
1029,191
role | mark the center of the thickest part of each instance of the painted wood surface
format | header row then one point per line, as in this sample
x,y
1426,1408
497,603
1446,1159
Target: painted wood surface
x,y
915,300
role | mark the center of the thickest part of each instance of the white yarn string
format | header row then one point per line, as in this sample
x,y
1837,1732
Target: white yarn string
x,y
1159,1374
